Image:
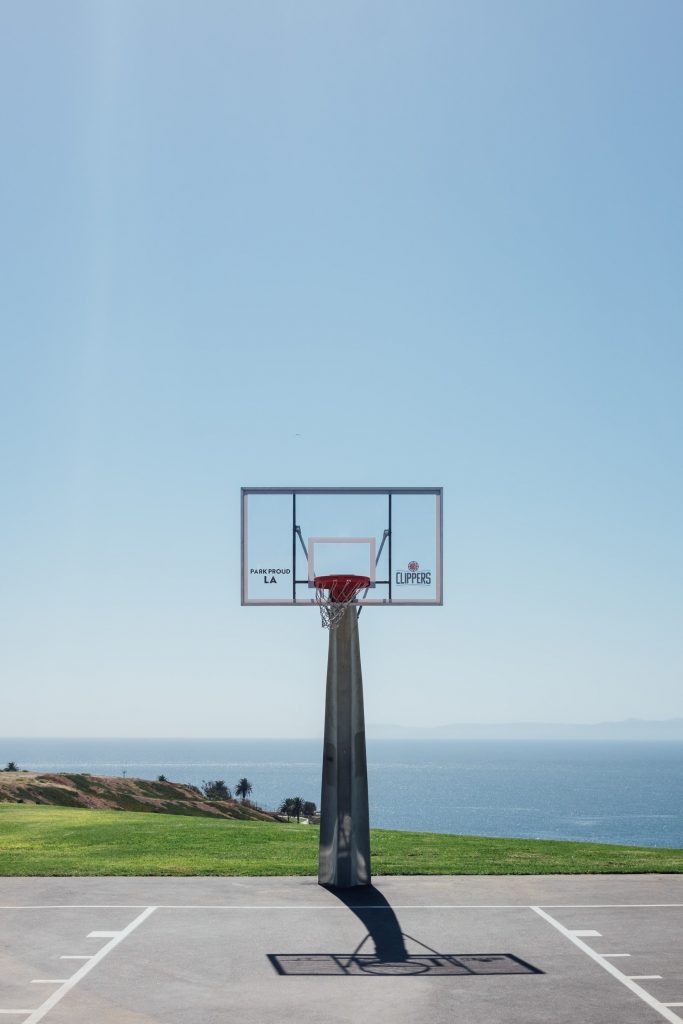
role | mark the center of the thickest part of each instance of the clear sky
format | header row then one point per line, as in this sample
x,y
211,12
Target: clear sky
x,y
362,243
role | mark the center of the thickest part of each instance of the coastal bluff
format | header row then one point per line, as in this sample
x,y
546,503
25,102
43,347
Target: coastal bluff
x,y
103,792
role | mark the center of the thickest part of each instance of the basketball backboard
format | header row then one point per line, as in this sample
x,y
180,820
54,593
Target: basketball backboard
x,y
392,535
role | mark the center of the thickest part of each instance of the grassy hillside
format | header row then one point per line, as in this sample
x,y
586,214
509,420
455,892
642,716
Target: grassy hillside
x,y
109,792
67,841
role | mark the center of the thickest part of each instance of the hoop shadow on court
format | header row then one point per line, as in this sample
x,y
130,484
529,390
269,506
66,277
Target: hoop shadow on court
x,y
390,956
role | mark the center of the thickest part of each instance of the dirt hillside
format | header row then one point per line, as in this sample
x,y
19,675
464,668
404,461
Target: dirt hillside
x,y
109,792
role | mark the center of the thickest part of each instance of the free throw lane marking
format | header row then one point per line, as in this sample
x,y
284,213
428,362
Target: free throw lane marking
x,y
661,1008
56,997
646,977
76,956
587,933
102,935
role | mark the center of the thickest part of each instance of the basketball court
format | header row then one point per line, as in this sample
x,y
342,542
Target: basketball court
x,y
261,951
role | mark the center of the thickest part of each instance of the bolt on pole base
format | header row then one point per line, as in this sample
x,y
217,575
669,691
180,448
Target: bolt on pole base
x,y
344,858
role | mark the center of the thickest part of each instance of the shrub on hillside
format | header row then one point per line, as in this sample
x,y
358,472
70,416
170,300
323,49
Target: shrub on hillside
x,y
216,790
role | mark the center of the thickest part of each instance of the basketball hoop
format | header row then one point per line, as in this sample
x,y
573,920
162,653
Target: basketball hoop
x,y
334,594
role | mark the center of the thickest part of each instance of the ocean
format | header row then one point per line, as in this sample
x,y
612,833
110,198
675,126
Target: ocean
x,y
605,792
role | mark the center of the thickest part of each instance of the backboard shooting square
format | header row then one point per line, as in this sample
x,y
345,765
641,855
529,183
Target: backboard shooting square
x,y
333,555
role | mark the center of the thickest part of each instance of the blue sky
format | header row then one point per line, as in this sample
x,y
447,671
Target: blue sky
x,y
431,244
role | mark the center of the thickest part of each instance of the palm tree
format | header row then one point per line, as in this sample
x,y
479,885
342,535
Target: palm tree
x,y
285,806
293,805
243,789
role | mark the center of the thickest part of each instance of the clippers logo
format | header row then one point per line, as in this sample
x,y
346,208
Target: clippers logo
x,y
413,577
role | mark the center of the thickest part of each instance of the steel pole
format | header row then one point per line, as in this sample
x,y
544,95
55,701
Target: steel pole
x,y
344,858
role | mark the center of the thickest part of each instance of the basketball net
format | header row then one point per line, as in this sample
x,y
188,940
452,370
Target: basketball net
x,y
334,594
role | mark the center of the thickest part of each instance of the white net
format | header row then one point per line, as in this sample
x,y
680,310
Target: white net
x,y
331,612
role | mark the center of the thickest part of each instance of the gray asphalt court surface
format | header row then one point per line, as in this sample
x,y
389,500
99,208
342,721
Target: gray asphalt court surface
x,y
477,950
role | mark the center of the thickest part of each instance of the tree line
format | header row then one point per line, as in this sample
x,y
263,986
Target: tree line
x,y
292,806
216,789
295,807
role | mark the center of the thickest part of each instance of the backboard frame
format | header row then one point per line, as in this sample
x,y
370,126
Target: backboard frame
x,y
390,492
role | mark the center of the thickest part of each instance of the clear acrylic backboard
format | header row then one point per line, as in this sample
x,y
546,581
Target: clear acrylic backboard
x,y
392,535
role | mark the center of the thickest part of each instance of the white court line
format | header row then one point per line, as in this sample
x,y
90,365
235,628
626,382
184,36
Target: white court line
x,y
599,906
586,933
102,935
37,1015
637,990
270,906
611,955
48,981
311,906
343,906
276,906
77,956
646,977
17,1011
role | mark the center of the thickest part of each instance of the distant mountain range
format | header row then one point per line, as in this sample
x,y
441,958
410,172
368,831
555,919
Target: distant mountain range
x,y
629,729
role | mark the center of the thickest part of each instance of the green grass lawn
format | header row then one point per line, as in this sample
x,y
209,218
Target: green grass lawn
x,y
69,841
